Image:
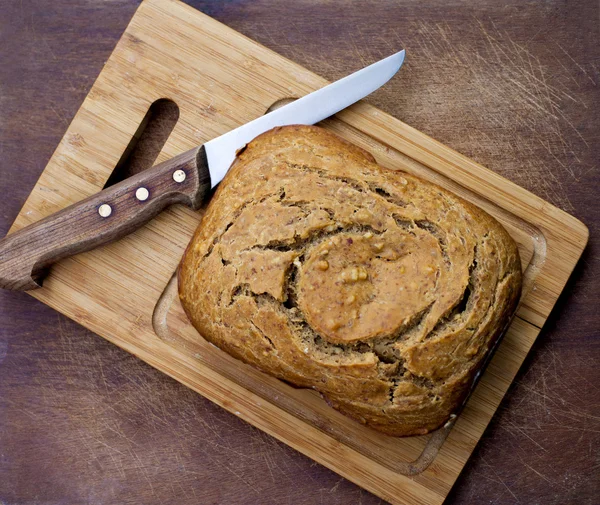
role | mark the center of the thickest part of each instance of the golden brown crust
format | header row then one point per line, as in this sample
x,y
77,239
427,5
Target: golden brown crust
x,y
381,291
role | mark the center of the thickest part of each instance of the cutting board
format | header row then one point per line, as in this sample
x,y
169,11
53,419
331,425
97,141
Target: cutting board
x,y
126,292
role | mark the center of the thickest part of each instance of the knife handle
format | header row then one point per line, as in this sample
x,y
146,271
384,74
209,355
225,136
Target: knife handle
x,y
103,217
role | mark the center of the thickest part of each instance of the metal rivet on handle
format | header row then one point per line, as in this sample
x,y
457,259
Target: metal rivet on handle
x,y
105,210
179,176
142,194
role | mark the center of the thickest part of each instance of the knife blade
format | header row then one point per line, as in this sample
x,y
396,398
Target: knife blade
x,y
309,109
187,179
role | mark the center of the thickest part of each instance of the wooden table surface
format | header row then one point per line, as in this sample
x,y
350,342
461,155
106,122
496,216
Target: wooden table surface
x,y
513,85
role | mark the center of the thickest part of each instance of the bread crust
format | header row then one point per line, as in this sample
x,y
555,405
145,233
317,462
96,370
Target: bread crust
x,y
380,290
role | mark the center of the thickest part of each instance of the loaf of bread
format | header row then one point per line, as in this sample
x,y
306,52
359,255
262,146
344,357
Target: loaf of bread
x,y
381,291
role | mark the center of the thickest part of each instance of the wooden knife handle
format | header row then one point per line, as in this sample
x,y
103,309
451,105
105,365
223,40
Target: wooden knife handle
x,y
106,216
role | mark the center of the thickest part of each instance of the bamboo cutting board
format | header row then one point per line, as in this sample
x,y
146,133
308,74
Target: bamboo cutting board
x,y
219,79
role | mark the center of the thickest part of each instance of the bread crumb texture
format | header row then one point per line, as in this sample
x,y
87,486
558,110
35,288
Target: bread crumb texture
x,y
381,291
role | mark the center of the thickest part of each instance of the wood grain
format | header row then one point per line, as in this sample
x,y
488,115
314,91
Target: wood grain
x,y
102,218
126,286
115,452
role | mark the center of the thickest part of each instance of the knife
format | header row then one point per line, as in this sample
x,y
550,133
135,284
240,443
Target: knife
x,y
187,179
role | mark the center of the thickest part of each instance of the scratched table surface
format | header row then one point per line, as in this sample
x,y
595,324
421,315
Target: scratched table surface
x,y
513,85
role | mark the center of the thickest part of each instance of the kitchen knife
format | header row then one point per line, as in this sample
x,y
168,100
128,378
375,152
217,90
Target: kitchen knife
x,y
188,178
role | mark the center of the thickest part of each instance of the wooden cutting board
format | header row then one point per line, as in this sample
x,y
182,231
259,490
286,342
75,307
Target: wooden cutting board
x,y
220,79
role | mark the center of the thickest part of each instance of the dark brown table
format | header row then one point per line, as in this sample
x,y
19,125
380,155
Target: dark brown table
x,y
513,85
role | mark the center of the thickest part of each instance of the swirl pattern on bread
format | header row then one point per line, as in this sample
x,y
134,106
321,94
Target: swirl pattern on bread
x,y
380,290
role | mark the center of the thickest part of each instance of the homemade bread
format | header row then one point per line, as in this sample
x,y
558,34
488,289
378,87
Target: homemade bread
x,y
381,291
